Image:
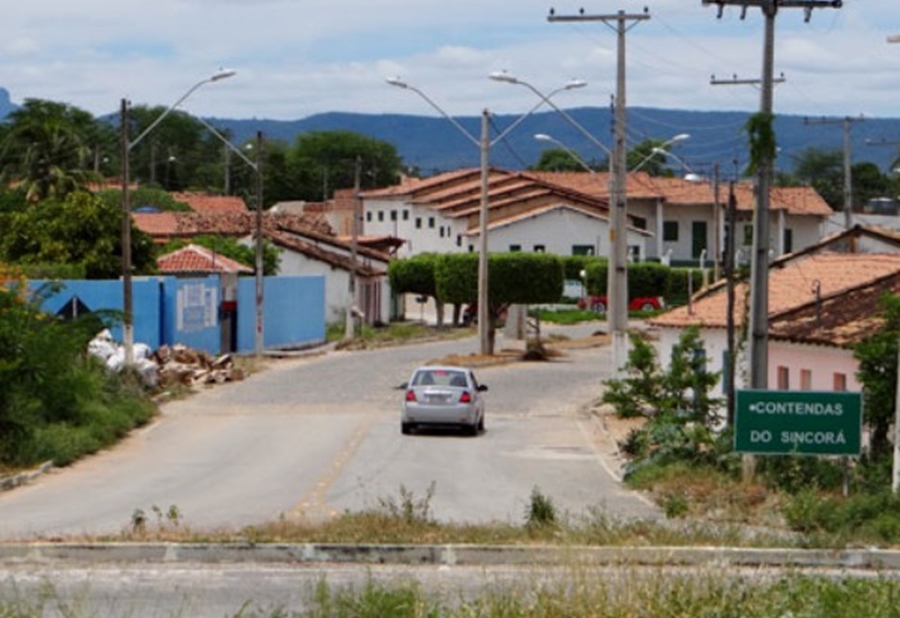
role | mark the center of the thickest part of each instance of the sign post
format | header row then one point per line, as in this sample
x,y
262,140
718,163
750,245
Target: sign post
x,y
798,422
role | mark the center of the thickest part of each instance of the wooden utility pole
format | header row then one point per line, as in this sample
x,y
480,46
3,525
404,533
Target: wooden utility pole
x,y
847,123
617,284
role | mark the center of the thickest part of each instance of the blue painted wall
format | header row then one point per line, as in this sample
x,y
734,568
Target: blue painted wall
x,y
107,295
168,310
293,312
191,314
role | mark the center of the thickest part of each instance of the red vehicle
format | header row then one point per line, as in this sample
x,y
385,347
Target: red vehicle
x,y
599,304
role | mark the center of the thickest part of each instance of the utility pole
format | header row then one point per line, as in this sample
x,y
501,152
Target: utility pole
x,y
759,291
847,123
617,282
350,323
259,341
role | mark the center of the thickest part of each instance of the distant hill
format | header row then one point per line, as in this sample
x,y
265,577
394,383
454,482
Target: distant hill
x,y
6,106
433,144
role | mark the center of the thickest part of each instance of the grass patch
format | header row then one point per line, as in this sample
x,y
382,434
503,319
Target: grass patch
x,y
396,333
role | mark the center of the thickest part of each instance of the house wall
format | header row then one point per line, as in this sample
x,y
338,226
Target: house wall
x,y
556,231
823,362
424,229
337,288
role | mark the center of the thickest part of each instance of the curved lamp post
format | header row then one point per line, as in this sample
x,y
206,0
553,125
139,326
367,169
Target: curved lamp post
x,y
127,146
258,245
484,145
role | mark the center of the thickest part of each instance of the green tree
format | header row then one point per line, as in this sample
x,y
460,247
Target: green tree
x,y
823,170
643,157
179,153
80,229
561,160
47,148
326,160
877,357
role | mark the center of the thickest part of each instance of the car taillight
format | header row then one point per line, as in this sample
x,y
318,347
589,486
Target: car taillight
x,y
410,395
465,397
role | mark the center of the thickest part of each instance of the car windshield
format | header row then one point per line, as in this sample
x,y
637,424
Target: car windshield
x,y
440,377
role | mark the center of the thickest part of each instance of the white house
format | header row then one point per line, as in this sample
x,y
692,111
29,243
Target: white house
x,y
688,219
442,215
821,302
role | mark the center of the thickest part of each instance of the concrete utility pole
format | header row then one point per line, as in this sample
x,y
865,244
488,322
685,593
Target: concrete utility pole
x,y
759,291
350,322
617,283
848,171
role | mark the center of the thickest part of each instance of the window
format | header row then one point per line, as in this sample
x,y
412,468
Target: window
x,y
639,222
805,380
670,231
381,215
582,250
406,215
369,216
840,382
459,240
442,231
471,248
393,215
748,234
788,240
431,222
418,223
784,378
515,248
539,248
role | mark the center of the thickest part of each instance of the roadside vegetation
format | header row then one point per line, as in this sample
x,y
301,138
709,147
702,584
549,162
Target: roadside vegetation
x,y
682,450
57,402
575,592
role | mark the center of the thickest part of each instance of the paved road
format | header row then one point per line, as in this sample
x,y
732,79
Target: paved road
x,y
316,436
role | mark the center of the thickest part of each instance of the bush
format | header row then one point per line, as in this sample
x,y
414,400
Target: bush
x,y
875,517
56,401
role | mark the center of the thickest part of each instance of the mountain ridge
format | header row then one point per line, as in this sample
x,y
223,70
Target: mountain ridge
x,y
431,144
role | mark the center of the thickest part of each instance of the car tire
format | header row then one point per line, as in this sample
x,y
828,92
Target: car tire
x,y
406,428
599,307
648,307
481,424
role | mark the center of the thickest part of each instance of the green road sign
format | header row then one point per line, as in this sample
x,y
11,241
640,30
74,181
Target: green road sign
x,y
798,422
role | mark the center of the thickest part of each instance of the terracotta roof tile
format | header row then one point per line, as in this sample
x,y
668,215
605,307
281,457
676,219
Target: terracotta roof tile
x,y
792,284
197,259
211,204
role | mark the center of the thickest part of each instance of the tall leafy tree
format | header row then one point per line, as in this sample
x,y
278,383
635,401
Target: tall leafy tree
x,y
82,229
47,149
561,160
326,160
877,356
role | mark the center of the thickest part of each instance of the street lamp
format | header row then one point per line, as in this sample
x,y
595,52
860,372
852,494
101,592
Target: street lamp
x,y
127,146
484,145
543,137
256,167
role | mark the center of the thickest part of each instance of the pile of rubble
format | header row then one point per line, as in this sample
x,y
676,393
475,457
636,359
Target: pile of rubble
x,y
168,365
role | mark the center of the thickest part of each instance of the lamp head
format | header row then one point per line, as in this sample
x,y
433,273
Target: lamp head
x,y
680,138
503,76
543,137
222,74
396,81
575,83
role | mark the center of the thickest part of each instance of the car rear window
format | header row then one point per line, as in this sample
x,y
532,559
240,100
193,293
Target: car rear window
x,y
440,377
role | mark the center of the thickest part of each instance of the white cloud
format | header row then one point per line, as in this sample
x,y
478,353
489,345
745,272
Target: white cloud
x,y
300,57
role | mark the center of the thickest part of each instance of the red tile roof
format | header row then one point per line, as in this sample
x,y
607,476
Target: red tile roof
x,y
211,204
197,259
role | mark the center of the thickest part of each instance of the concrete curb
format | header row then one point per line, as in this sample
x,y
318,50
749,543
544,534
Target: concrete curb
x,y
15,480
446,555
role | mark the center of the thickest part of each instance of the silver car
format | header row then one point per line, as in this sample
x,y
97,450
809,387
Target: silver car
x,y
443,395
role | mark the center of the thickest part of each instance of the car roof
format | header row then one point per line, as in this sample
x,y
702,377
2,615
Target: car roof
x,y
442,368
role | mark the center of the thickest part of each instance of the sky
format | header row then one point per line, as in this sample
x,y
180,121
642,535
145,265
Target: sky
x,y
296,58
